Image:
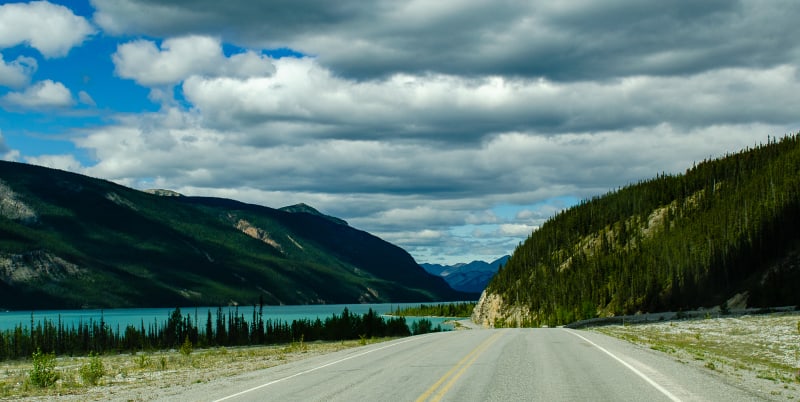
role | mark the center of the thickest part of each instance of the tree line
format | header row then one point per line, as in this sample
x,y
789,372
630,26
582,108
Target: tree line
x,y
673,242
460,309
231,329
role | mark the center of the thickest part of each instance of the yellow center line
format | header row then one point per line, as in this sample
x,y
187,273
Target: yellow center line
x,y
464,363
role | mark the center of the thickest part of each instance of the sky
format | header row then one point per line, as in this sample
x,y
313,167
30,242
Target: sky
x,y
451,128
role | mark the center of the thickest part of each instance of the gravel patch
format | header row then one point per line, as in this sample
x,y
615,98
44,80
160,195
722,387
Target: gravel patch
x,y
757,352
157,375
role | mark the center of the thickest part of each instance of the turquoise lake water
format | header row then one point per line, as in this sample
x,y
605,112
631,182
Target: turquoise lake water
x,y
121,318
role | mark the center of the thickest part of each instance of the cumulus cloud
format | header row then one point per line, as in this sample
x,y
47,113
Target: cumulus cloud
x,y
63,162
17,73
565,41
313,102
516,230
389,187
179,58
41,95
49,28
414,120
6,153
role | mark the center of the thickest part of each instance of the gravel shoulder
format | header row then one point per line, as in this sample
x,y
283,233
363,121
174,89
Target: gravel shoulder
x,y
157,375
760,353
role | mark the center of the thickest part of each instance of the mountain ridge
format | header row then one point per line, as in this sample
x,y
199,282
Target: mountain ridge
x,y
467,277
73,241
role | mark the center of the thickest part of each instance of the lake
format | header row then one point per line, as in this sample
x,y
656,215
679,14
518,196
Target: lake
x,y
121,318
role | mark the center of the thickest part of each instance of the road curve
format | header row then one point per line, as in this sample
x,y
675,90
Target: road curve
x,y
481,365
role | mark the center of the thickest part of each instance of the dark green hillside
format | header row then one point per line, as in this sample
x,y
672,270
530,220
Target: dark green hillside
x,y
725,227
70,241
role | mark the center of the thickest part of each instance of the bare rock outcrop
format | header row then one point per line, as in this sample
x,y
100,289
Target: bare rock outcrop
x,y
491,311
35,265
257,233
12,208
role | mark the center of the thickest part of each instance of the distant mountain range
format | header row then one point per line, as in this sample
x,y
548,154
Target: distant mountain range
x,y
472,277
70,241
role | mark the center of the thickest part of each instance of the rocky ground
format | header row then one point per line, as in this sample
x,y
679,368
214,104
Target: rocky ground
x,y
758,352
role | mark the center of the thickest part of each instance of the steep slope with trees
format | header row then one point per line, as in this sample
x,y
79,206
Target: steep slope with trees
x,y
69,241
725,227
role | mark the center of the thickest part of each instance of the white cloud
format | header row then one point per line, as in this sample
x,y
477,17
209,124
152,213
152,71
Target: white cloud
x,y
314,102
86,99
516,229
564,41
180,58
414,121
18,72
425,237
51,29
6,153
41,95
63,162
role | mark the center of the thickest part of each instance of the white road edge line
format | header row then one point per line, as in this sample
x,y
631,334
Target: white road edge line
x,y
415,338
637,372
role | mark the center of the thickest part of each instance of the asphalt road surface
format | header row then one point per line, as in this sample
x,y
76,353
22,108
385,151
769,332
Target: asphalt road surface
x,y
482,365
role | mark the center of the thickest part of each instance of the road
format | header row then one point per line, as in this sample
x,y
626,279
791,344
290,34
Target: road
x,y
482,365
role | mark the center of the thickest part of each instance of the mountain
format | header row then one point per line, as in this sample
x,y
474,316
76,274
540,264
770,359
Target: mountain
x,y
472,277
70,241
728,230
303,208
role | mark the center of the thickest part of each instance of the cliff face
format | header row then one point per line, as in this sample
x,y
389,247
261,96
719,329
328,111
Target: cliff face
x,y
491,310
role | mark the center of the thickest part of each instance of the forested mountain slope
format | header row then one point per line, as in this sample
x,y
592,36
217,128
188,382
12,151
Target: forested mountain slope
x,y
725,227
70,241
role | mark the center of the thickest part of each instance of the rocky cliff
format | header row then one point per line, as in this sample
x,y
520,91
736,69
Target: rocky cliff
x,y
491,312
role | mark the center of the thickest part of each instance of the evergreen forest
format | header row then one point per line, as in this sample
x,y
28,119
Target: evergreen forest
x,y
460,309
726,226
221,329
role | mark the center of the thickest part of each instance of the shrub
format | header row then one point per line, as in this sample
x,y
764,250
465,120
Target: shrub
x,y
141,361
186,348
93,370
43,374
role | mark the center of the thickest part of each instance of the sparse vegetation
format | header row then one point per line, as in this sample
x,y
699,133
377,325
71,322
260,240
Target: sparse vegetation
x,y
762,350
43,374
153,369
93,370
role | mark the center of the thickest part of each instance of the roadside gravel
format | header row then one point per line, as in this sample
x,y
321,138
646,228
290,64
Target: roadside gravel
x,y
158,375
757,352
